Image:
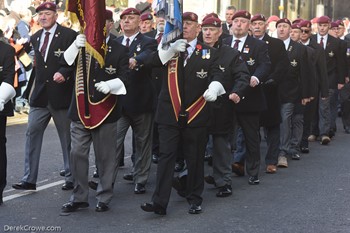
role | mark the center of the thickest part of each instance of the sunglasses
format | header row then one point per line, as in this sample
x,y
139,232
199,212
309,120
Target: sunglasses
x,y
305,31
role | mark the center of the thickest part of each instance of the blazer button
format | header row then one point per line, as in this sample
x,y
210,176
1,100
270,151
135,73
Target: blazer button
x,y
45,66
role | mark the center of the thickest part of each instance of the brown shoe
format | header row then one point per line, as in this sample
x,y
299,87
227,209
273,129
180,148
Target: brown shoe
x,y
271,169
325,140
238,169
312,138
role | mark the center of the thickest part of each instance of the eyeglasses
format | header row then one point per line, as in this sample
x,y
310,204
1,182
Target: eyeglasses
x,y
305,31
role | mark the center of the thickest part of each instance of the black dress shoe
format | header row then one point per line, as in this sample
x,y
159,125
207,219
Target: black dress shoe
x,y
253,180
155,158
68,186
224,191
195,209
295,156
74,206
153,207
209,179
63,173
179,187
139,188
304,150
129,177
101,207
24,185
179,166
95,174
93,185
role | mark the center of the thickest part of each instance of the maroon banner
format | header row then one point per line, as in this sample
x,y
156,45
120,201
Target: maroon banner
x,y
92,18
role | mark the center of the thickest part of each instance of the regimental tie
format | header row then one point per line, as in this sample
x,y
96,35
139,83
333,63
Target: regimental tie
x,y
321,42
235,46
127,42
159,37
185,54
46,42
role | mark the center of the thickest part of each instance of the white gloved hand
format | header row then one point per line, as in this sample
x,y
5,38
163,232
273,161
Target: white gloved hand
x,y
214,90
2,103
71,53
7,92
113,86
80,41
178,46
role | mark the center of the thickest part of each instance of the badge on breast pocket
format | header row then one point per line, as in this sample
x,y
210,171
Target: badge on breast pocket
x,y
251,62
138,48
202,74
58,53
110,70
294,63
331,54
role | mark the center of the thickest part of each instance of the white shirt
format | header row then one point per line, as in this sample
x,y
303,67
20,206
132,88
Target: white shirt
x,y
286,43
192,46
325,38
241,43
131,39
42,38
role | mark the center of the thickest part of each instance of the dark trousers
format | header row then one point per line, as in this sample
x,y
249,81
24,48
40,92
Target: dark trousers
x,y
3,157
250,126
194,141
273,144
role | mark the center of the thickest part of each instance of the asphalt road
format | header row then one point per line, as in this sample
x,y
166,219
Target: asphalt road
x,y
312,195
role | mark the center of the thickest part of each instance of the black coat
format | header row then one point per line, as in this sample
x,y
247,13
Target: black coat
x,y
45,90
236,80
197,75
336,62
7,72
255,55
279,67
140,93
295,86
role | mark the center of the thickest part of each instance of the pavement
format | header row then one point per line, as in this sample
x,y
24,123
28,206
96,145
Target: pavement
x,y
311,196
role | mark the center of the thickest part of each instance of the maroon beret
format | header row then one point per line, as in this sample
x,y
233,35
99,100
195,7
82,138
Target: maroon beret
x,y
210,15
242,14
296,26
324,19
109,15
273,18
340,22
146,16
211,22
258,17
47,6
190,16
305,23
298,20
284,20
334,25
130,11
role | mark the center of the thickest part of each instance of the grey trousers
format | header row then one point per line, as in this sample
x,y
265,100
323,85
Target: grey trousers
x,y
104,140
222,171
142,126
38,120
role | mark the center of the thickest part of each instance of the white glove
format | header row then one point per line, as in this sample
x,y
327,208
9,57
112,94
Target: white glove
x,y
214,90
80,40
7,92
114,86
2,103
71,53
178,46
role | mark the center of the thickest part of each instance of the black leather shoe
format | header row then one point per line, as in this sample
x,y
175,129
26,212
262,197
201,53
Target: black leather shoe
x,y
209,179
304,150
139,189
195,209
129,177
101,207
224,191
63,173
68,186
177,185
24,185
253,180
74,206
179,166
93,185
155,158
95,174
153,207
295,156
